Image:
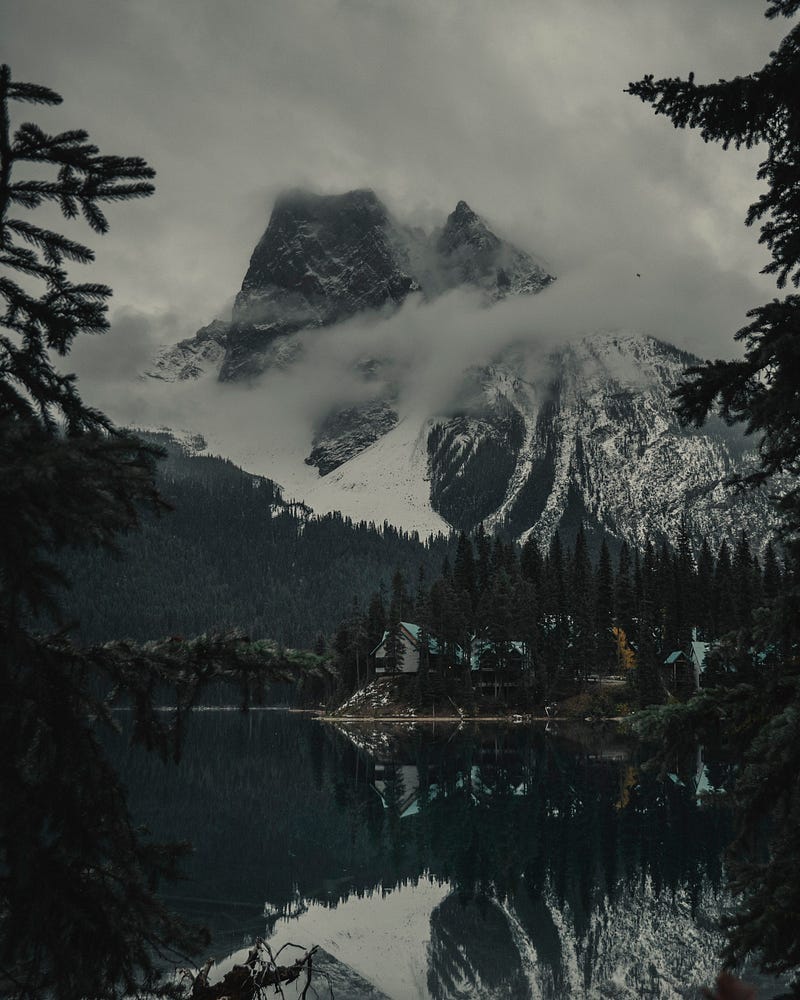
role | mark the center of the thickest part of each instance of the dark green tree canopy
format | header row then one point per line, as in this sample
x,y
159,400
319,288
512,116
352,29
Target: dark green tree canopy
x,y
70,477
49,317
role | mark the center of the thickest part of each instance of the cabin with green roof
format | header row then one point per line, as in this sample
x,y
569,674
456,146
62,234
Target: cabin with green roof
x,y
494,666
410,638
677,673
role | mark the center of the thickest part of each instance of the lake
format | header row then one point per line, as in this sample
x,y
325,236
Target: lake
x,y
446,862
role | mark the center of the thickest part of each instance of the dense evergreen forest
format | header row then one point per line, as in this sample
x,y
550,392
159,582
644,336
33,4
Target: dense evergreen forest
x,y
234,553
566,615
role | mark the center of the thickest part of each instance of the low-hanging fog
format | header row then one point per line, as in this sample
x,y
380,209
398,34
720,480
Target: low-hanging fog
x,y
515,106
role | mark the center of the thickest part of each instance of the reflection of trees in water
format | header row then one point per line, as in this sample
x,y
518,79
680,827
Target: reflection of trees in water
x,y
283,808
495,809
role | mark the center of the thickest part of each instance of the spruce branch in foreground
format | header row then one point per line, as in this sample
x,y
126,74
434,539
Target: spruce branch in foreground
x,y
80,914
756,715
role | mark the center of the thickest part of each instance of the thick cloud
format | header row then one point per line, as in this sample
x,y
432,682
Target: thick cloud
x,y
516,106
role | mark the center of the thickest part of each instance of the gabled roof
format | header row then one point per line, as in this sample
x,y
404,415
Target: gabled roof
x,y
412,633
698,653
675,656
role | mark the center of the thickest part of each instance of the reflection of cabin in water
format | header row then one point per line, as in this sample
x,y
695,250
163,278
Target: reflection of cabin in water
x,y
494,768
398,787
697,780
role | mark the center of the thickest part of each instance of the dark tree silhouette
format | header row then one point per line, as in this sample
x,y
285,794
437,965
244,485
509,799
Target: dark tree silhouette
x,y
760,721
79,911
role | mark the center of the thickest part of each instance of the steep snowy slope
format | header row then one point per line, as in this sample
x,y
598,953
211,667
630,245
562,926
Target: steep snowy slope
x,y
593,440
528,440
589,438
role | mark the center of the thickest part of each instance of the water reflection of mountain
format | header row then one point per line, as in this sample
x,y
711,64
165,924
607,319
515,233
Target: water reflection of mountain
x,y
554,866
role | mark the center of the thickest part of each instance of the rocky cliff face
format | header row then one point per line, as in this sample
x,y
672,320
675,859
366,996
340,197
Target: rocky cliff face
x,y
193,357
594,441
529,445
470,253
326,258
322,259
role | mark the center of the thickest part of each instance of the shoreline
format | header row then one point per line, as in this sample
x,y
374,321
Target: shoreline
x,y
515,719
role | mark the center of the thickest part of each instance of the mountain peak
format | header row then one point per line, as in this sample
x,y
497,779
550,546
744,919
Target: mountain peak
x,y
324,258
295,203
463,211
464,225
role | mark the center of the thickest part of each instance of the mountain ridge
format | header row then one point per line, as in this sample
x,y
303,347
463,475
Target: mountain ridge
x,y
533,440
326,258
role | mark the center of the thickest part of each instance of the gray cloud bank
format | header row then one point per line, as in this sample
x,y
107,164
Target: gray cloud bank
x,y
516,106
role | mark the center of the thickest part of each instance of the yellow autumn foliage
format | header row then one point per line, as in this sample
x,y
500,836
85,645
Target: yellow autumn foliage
x,y
626,658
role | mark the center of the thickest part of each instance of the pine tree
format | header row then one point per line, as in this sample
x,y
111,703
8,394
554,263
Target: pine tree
x,y
745,585
376,618
531,562
79,913
624,601
395,644
725,619
464,571
772,577
401,597
650,688
759,720
482,560
704,601
524,620
582,608
760,389
606,646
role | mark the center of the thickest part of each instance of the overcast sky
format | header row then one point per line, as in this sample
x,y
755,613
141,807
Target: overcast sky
x,y
517,107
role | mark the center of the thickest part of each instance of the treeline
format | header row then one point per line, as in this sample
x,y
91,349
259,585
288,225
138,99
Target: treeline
x,y
234,554
570,616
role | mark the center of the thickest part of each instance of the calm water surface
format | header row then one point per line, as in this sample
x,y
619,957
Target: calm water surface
x,y
443,862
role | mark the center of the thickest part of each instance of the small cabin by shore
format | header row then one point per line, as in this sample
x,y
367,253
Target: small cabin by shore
x,y
410,636
677,673
493,666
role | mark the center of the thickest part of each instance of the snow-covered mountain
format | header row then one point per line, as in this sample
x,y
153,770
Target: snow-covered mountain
x,y
326,258
532,439
593,441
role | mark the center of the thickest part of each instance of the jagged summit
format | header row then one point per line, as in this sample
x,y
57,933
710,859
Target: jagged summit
x,y
334,213
473,255
314,201
465,226
324,258
462,216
